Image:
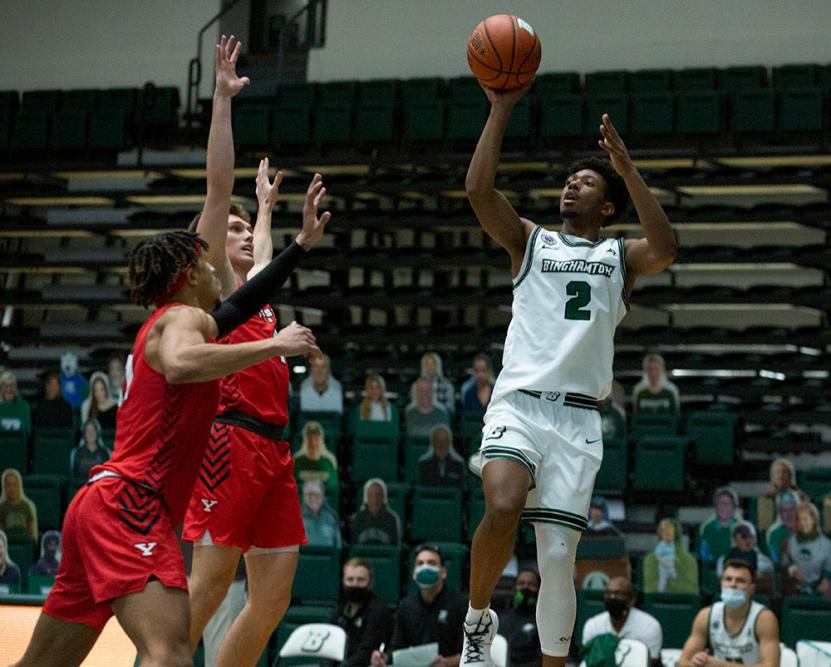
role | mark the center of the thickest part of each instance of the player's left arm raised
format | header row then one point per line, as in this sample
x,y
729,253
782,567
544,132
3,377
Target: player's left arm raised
x,y
266,199
658,249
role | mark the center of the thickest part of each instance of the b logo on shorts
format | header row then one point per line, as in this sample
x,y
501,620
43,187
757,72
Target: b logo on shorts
x,y
314,641
496,432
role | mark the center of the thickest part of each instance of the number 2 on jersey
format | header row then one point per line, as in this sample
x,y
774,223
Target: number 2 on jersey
x,y
580,293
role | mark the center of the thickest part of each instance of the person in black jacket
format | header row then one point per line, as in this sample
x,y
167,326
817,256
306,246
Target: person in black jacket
x,y
519,625
366,620
435,613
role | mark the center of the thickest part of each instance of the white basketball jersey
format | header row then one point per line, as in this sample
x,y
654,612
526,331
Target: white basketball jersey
x,y
569,297
743,647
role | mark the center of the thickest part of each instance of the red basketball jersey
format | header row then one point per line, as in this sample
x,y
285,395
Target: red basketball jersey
x,y
162,431
260,391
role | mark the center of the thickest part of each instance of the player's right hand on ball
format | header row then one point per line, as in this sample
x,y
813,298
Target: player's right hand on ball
x,y
505,98
295,341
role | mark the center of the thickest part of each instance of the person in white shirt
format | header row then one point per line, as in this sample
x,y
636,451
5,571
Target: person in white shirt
x,y
320,392
624,620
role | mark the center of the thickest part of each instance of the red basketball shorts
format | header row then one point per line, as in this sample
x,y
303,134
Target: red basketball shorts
x,y
115,538
246,495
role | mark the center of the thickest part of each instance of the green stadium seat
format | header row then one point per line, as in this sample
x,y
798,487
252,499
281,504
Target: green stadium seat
x,y
476,510
710,583
712,435
616,106
653,424
519,124
824,78
45,492
465,119
613,473
423,120
424,89
561,116
795,77
14,451
79,100
699,113
376,431
39,584
589,603
107,130
695,79
552,84
10,589
251,126
430,503
611,82
337,93
652,114
158,106
601,548
50,450
675,612
753,111
333,124
735,79
9,102
69,131
386,562
291,126
659,463
42,101
374,459
464,89
650,81
804,618
22,552
379,91
296,95
470,429
318,574
414,449
30,132
121,100
398,497
375,122
455,557
816,482
801,110
6,118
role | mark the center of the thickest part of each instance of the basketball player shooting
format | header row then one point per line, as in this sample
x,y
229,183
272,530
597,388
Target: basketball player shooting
x,y
542,444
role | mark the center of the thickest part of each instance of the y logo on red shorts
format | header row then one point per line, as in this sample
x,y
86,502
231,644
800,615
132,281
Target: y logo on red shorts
x,y
146,548
208,504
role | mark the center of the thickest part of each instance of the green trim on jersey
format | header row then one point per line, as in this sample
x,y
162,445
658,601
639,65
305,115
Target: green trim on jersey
x,y
532,240
495,451
575,244
623,294
561,517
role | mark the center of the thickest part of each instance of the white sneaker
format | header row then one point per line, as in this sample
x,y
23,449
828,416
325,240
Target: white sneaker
x,y
478,637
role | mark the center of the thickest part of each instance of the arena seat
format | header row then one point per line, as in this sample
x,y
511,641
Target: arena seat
x,y
50,450
519,124
589,603
695,79
617,106
712,435
648,424
374,459
43,101
699,113
251,125
296,95
649,81
475,510
423,120
659,463
465,119
294,617
22,552
39,584
69,131
552,84
745,77
375,122
815,482
804,618
45,492
337,93
801,110
561,116
30,132
291,126
332,124
318,574
381,91
386,562
414,448
605,83
613,474
119,100
652,114
14,451
753,111
430,503
795,77
675,612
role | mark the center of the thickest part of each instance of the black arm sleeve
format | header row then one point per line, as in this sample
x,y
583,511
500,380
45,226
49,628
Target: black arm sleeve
x,y
258,291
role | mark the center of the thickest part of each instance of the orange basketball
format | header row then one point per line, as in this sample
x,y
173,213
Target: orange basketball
x,y
504,52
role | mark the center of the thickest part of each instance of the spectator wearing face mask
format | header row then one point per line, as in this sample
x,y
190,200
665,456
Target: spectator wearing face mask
x,y
366,620
434,613
624,620
519,624
736,629
745,548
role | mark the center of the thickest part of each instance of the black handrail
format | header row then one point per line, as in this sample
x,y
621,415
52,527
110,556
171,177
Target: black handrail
x,y
195,65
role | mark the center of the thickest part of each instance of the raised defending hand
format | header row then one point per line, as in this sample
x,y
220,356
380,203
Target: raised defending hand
x,y
614,146
296,340
228,84
505,99
313,226
266,190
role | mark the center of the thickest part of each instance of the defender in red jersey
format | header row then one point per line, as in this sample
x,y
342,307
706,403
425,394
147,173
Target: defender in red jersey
x,y
246,500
